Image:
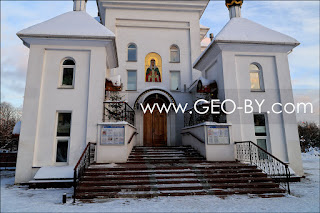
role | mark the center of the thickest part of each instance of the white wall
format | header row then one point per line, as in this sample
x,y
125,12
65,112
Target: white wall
x,y
43,99
234,71
116,153
212,152
155,32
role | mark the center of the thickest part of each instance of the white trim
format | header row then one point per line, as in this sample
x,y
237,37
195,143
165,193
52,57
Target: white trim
x,y
56,138
60,85
260,75
179,83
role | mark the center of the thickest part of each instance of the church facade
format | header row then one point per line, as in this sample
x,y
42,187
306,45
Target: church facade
x,y
90,81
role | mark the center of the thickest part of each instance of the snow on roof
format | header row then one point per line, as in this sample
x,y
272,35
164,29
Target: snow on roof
x,y
204,27
205,42
205,82
70,24
54,172
116,80
244,30
16,129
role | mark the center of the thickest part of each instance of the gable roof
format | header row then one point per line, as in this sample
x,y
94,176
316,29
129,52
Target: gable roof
x,y
74,24
242,30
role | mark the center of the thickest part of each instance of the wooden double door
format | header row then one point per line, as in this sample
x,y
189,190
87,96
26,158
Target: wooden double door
x,y
155,126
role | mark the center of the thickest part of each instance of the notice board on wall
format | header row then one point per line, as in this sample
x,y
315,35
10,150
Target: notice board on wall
x,y
218,135
112,135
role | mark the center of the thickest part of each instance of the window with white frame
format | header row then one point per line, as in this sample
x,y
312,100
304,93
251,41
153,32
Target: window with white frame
x,y
174,80
132,80
132,52
256,79
63,136
67,75
260,126
174,54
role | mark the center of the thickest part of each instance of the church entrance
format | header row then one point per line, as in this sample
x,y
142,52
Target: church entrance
x,y
155,124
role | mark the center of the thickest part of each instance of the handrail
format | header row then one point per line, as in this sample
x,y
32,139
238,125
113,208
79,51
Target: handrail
x,y
84,151
196,137
133,134
247,151
83,163
237,142
119,102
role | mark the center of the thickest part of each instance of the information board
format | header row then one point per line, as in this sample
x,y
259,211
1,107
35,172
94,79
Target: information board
x,y
112,135
218,135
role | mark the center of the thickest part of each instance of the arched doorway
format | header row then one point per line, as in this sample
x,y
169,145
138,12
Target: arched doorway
x,y
155,124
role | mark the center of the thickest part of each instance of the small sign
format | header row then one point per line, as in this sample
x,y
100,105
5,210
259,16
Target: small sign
x,y
218,135
112,135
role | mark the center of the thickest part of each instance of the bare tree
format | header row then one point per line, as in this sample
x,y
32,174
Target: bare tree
x,y
309,135
9,116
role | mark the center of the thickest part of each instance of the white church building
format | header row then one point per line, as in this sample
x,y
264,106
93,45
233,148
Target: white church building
x,y
90,79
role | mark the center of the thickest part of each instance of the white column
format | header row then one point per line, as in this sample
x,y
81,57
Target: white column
x,y
79,5
235,11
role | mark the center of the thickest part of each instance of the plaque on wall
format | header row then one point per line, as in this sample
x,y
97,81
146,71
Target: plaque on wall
x,y
218,135
112,135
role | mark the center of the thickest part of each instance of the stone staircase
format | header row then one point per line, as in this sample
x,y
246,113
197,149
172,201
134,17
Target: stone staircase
x,y
173,171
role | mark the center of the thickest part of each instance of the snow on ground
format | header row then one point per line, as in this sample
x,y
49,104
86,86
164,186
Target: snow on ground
x,y
304,198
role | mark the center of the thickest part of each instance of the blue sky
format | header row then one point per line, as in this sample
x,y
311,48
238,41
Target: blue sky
x,y
299,19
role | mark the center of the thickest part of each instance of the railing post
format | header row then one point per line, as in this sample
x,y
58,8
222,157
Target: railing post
x,y
74,185
125,111
89,152
287,177
250,155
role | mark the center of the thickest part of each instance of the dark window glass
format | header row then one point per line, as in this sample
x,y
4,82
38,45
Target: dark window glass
x,y
62,151
68,62
67,78
64,123
132,52
260,125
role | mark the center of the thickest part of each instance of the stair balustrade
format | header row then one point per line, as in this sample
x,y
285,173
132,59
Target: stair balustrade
x,y
83,163
118,111
249,152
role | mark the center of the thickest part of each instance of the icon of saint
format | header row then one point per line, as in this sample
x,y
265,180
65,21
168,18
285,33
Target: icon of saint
x,y
153,73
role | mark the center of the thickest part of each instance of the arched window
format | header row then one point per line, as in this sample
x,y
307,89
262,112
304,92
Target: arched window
x,y
256,79
174,54
132,52
67,78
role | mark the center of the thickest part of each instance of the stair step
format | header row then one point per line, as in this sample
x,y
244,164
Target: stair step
x,y
142,194
176,171
189,179
173,171
132,167
181,186
213,175
150,194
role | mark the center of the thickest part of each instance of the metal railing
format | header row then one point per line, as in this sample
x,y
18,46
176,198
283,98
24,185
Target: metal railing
x,y
118,111
249,152
191,117
83,163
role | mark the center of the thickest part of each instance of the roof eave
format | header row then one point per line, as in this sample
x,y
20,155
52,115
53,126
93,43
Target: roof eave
x,y
215,41
21,35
